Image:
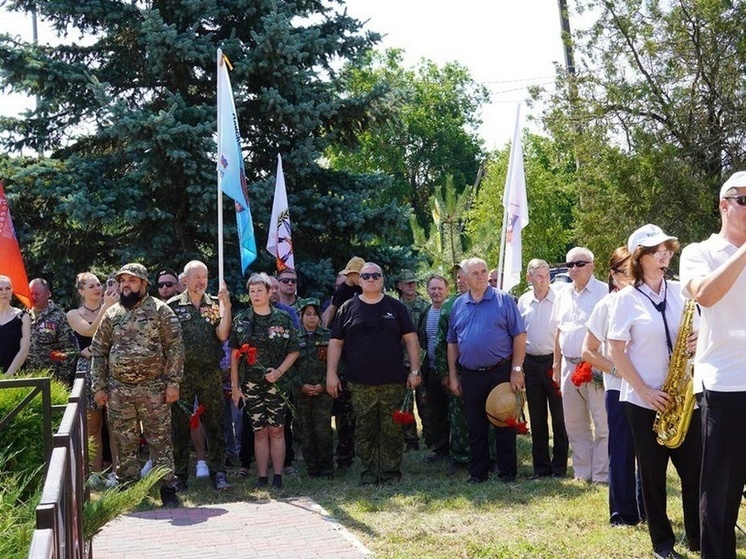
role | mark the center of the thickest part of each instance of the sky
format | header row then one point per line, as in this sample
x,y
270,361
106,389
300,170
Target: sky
x,y
507,45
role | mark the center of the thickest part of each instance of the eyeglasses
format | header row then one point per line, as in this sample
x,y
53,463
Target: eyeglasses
x,y
579,264
663,253
740,200
371,275
162,284
288,281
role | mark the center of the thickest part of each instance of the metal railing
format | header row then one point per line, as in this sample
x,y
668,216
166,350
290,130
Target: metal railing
x,y
59,515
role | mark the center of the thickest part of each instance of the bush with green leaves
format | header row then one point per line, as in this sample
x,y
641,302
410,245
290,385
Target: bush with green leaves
x,y
24,436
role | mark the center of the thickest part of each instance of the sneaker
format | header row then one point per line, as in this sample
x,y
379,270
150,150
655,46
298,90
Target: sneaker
x,y
111,480
667,554
277,481
146,468
261,483
475,479
202,469
290,471
179,484
221,481
169,498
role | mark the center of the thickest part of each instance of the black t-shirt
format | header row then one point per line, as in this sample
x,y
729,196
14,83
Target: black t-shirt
x,y
344,293
372,340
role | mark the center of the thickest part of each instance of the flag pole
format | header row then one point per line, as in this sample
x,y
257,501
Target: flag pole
x,y
221,273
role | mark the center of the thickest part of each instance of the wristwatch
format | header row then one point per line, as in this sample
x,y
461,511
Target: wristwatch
x,y
415,373
518,369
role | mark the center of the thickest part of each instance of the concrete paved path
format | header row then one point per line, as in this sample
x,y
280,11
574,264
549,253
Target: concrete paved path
x,y
289,528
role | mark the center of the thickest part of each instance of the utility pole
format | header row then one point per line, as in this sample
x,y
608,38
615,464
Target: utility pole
x,y
35,38
566,37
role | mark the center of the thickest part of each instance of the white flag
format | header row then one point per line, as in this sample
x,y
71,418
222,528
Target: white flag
x,y
279,241
516,210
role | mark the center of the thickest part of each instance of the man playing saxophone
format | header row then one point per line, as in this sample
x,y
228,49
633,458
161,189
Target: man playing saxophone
x,y
712,272
643,328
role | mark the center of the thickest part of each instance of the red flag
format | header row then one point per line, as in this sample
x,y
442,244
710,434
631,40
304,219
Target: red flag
x,y
11,262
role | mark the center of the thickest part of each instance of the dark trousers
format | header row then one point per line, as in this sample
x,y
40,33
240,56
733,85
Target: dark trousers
x,y
625,494
653,459
435,426
475,387
723,470
544,396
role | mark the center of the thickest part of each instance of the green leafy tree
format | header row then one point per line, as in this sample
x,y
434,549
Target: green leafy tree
x,y
126,124
423,128
550,193
659,119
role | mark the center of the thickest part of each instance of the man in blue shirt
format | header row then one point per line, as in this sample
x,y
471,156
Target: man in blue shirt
x,y
486,347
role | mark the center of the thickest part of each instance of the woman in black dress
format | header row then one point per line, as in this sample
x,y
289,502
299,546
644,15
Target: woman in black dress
x,y
15,331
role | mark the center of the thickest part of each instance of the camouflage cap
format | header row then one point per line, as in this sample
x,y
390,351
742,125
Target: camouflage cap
x,y
407,276
312,301
134,269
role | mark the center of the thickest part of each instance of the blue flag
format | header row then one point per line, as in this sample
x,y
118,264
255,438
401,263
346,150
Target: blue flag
x,y
231,175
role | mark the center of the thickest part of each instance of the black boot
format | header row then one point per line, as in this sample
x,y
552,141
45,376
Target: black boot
x,y
169,498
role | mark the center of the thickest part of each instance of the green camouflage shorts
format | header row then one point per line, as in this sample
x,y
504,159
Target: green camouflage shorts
x,y
264,405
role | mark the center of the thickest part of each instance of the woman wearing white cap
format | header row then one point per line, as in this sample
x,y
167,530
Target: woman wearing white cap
x,y
642,331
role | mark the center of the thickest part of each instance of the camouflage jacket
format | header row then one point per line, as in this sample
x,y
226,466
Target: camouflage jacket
x,y
416,307
202,348
310,368
441,346
273,335
137,345
50,331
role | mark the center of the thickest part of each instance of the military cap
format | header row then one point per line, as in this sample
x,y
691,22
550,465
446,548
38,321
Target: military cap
x,y
312,301
407,276
134,269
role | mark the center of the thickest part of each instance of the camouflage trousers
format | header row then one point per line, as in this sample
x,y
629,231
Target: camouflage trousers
x,y
206,385
264,404
459,442
129,406
344,420
378,438
317,437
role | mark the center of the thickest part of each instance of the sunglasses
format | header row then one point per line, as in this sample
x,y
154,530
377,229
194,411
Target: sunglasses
x,y
579,264
371,275
740,200
162,284
288,281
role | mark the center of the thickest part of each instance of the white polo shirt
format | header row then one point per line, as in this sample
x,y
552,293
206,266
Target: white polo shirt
x,y
720,361
540,327
572,309
634,320
598,325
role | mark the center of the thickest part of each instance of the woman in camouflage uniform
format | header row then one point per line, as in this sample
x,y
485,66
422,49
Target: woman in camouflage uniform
x,y
265,346
314,403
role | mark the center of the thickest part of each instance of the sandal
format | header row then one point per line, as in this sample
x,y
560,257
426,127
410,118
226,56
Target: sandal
x,y
244,472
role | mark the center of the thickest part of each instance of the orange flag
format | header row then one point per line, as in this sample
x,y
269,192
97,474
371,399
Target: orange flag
x,y
11,262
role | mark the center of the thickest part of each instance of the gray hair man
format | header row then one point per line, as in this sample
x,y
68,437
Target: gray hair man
x,y
584,409
542,391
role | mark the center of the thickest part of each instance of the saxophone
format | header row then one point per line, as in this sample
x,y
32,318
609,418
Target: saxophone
x,y
672,424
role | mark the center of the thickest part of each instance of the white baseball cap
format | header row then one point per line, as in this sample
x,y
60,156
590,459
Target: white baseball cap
x,y
648,236
736,180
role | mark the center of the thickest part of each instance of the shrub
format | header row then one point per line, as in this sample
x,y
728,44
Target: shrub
x,y
24,436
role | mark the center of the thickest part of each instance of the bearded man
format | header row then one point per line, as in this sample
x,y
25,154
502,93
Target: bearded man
x,y
138,362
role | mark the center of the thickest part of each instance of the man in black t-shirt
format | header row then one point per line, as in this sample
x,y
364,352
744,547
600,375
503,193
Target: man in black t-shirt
x,y
371,327
346,290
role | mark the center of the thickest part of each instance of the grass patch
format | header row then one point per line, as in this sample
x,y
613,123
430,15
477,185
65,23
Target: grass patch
x,y
430,515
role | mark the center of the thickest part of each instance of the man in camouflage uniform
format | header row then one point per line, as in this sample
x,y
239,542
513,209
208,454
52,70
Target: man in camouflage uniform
x,y
314,403
204,332
53,344
371,328
459,438
417,306
138,359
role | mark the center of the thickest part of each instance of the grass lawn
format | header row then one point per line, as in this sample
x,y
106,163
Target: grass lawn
x,y
430,515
